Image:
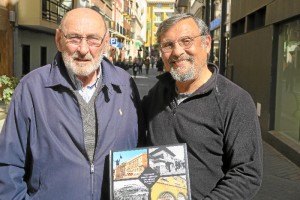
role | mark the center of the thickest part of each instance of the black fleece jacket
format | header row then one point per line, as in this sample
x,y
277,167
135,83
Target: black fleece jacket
x,y
221,128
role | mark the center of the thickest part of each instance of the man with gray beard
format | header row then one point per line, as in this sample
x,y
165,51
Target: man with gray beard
x,y
66,116
191,103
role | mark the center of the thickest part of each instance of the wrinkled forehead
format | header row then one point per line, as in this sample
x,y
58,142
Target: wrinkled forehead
x,y
185,27
83,20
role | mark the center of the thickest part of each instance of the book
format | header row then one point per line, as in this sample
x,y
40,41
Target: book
x,y
150,173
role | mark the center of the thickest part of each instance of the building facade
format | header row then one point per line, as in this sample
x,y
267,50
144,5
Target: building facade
x,y
28,38
6,43
157,11
265,60
131,168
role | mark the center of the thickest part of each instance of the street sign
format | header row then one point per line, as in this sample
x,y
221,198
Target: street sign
x,y
114,41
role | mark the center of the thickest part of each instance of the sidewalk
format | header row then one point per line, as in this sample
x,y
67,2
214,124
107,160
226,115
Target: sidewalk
x,y
281,177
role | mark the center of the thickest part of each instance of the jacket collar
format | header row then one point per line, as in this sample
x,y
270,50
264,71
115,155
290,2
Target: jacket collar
x,y
59,75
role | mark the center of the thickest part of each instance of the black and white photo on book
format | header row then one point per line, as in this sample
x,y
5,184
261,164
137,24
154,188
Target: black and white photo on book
x,y
150,173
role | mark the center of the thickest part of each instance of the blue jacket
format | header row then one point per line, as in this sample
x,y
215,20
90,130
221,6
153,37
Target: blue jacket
x,y
42,153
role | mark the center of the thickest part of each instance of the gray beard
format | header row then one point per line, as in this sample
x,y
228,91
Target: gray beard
x,y
189,75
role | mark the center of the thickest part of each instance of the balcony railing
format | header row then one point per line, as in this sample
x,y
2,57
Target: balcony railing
x,y
109,2
54,10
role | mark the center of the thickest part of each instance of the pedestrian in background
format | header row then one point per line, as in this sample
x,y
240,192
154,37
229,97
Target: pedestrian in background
x,y
147,65
140,65
152,61
129,63
120,64
135,67
160,66
193,104
66,116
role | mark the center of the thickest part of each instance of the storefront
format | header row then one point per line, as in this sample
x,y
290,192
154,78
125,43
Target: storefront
x,y
287,108
264,58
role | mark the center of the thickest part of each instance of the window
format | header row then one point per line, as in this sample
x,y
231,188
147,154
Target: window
x,y
158,17
159,5
166,195
169,14
238,27
256,19
54,10
25,59
43,56
287,108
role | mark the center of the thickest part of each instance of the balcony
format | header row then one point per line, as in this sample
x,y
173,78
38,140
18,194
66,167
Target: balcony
x,y
46,16
108,2
53,11
126,25
127,12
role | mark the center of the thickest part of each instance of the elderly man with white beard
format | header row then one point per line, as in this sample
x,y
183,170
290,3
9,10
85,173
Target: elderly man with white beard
x,y
66,116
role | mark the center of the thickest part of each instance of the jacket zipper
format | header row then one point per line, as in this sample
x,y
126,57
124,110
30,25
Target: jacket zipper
x,y
92,170
92,166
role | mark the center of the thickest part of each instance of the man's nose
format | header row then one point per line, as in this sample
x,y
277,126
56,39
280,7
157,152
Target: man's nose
x,y
177,49
83,47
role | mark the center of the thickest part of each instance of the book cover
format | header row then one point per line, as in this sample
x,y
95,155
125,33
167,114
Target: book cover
x,y
150,173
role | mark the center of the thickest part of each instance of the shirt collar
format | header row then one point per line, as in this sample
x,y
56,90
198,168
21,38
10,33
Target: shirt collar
x,y
78,83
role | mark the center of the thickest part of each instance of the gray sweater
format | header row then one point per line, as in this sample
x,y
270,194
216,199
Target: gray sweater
x,y
220,126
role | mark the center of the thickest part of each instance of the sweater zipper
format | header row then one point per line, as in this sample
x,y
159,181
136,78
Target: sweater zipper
x,y
173,106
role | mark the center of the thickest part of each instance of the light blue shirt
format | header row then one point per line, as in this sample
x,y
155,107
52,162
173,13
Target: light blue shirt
x,y
89,90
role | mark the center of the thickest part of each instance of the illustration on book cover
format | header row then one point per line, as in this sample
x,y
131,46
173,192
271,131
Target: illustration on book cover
x,y
150,173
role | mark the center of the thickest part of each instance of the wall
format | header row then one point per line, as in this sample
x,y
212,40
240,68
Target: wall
x,y
5,43
251,57
282,9
35,40
240,8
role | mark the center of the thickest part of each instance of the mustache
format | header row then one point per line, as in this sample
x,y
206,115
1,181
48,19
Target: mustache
x,y
85,57
180,58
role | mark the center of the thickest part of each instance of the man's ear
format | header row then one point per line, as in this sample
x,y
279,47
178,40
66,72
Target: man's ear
x,y
105,45
58,40
107,40
208,43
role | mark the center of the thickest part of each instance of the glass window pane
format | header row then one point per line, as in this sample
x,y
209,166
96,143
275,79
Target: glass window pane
x,y
287,114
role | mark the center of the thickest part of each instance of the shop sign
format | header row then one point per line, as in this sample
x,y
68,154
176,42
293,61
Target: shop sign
x,y
215,24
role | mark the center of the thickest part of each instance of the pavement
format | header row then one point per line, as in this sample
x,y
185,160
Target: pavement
x,y
281,179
